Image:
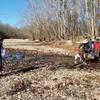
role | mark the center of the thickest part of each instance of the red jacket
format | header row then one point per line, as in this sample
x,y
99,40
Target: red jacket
x,y
96,45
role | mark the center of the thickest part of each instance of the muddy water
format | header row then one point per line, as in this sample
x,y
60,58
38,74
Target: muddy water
x,y
13,56
16,58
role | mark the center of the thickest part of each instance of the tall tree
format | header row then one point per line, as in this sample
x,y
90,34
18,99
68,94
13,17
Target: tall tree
x,y
61,19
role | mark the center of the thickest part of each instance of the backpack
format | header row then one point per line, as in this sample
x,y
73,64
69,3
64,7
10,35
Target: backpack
x,y
86,47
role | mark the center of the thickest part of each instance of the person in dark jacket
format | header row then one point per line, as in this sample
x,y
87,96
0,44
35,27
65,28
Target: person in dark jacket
x,y
1,45
86,48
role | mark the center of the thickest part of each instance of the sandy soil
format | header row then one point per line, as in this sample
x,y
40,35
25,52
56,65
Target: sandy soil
x,y
62,47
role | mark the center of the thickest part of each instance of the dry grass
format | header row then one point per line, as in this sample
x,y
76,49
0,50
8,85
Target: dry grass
x,y
67,45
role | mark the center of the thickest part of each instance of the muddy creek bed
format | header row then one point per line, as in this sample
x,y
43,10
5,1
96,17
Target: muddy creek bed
x,y
17,61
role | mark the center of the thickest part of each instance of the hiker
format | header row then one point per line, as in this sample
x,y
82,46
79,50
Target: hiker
x,y
3,52
1,45
96,48
85,48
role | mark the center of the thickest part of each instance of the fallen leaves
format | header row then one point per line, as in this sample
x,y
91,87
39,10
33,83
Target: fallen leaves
x,y
18,86
53,79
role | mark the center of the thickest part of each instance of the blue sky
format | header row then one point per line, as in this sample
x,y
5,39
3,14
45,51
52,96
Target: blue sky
x,y
10,11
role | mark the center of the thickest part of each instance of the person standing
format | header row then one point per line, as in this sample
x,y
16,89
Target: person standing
x,y
96,47
1,45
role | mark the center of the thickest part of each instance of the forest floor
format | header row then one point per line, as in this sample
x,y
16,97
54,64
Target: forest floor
x,y
55,76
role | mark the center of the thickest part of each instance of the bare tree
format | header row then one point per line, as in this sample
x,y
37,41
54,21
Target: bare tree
x,y
61,19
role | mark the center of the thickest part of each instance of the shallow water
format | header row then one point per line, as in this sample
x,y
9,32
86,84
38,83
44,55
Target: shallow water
x,y
14,56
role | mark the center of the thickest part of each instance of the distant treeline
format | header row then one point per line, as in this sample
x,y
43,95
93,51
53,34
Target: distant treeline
x,y
7,31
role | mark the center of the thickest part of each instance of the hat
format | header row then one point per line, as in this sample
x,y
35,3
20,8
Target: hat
x,y
85,41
